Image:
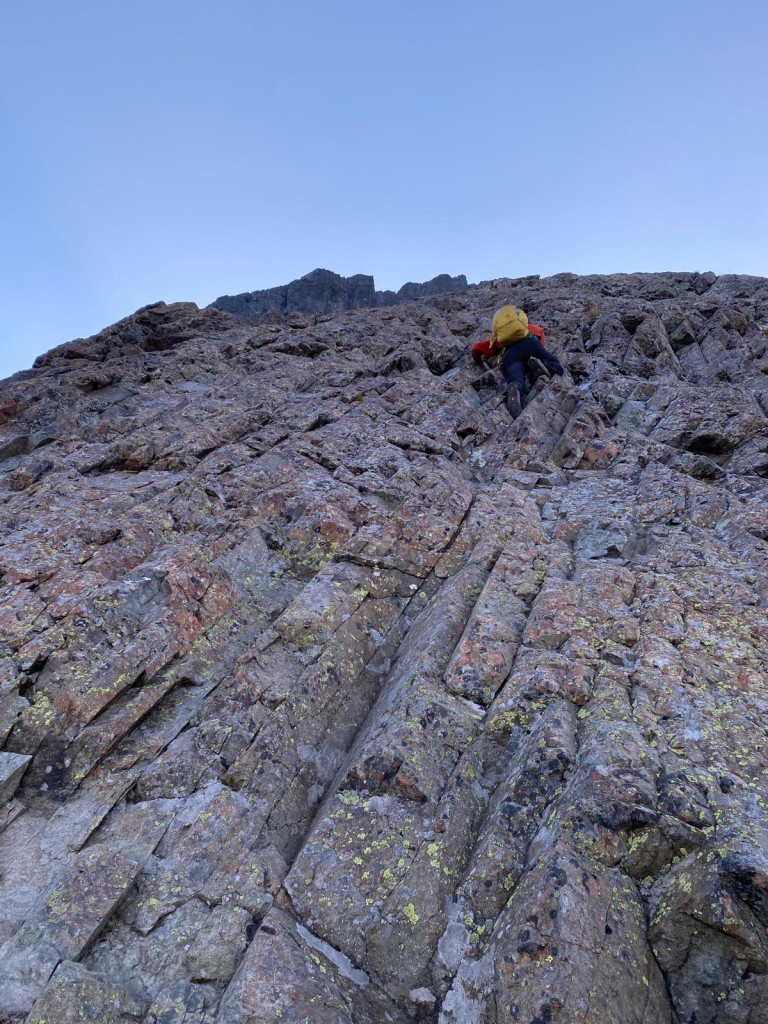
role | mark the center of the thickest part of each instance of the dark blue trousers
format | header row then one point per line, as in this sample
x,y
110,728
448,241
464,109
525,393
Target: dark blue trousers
x,y
516,357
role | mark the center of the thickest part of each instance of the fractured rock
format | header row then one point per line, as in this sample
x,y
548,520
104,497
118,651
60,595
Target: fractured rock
x,y
328,691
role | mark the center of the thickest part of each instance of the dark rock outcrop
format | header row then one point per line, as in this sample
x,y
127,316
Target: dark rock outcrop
x,y
329,693
322,291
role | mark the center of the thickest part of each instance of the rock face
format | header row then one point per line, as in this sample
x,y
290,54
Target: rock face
x,y
340,696
322,291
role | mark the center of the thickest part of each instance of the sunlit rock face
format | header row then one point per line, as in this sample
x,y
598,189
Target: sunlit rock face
x,y
330,693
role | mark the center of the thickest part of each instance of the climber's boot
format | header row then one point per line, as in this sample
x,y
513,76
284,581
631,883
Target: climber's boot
x,y
513,401
536,370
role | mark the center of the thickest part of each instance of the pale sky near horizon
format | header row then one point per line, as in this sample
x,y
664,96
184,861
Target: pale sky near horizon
x,y
184,149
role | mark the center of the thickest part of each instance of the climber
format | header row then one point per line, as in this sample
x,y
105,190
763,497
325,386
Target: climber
x,y
520,348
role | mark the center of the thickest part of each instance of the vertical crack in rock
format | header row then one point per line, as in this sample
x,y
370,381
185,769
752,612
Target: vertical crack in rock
x,y
328,692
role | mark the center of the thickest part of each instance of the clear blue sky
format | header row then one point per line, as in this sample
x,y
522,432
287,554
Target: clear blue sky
x,y
182,149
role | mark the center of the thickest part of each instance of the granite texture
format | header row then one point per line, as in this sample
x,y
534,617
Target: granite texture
x,y
330,693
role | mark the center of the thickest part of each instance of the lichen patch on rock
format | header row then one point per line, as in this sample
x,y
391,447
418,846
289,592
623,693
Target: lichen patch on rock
x,y
331,693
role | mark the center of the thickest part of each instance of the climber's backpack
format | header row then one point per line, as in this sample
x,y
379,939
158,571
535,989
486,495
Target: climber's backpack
x,y
510,325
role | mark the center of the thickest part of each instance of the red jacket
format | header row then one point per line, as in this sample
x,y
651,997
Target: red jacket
x,y
488,347
539,332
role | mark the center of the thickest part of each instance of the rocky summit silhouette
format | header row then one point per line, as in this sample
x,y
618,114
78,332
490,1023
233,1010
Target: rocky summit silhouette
x,y
331,694
322,291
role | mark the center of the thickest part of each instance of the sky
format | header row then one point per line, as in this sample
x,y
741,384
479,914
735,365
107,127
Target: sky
x,y
186,149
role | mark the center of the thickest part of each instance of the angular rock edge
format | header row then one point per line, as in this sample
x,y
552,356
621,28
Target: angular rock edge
x,y
340,696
